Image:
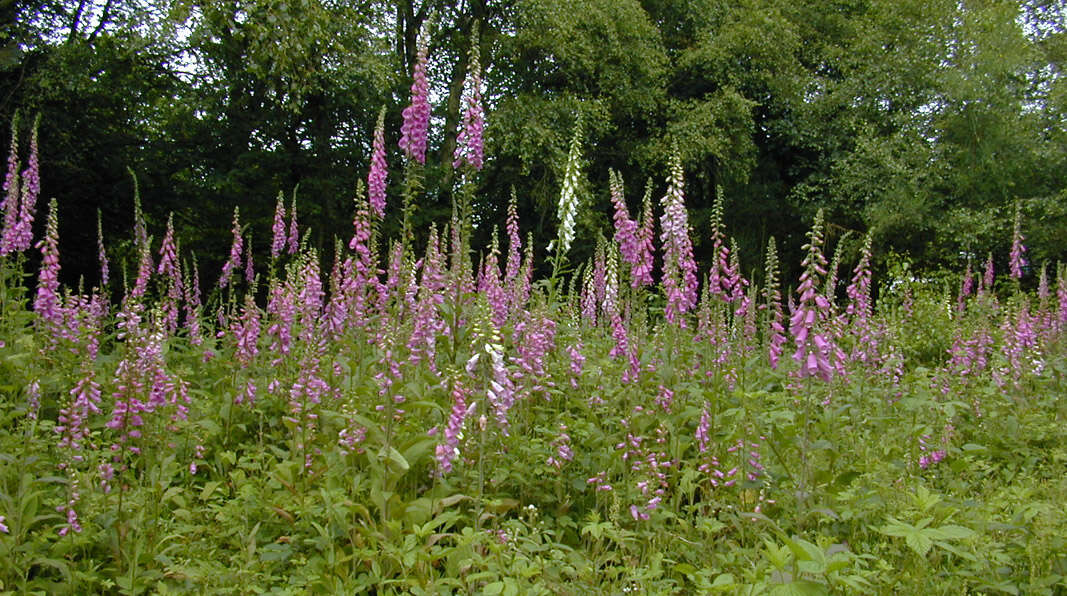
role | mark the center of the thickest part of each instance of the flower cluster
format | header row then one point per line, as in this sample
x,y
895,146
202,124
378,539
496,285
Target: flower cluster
x,y
417,115
679,268
470,146
379,170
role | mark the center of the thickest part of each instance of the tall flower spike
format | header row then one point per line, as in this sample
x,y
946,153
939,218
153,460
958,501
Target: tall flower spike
x,y
814,348
11,194
679,268
102,253
772,296
642,273
31,188
236,248
568,196
628,235
47,303
417,115
379,170
1017,261
470,146
514,262
170,267
277,243
294,228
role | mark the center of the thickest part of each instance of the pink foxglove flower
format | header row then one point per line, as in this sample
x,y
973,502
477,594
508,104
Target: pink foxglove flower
x,y
813,347
293,242
22,237
47,302
278,237
470,147
169,267
448,450
379,169
514,263
1017,262
679,268
417,115
236,248
11,195
101,252
772,295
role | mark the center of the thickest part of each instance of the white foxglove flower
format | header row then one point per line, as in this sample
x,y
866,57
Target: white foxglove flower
x,y
568,196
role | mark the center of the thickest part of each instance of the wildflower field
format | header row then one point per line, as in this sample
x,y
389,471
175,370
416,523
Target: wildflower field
x,y
423,416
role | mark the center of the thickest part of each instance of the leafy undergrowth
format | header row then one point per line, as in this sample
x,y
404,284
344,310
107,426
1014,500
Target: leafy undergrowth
x,y
699,474
435,428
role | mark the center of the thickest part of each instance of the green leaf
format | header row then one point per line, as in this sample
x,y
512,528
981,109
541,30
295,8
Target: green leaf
x,y
918,542
950,532
391,454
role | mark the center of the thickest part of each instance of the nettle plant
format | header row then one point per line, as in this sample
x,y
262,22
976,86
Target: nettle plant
x,y
441,421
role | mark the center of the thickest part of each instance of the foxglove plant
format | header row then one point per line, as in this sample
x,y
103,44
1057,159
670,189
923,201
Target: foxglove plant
x,y
1061,298
568,198
986,286
448,450
22,237
245,331
379,169
236,248
490,285
278,236
679,268
417,115
101,252
577,359
534,338
470,146
11,194
293,240
966,287
47,302
427,323
250,268
642,274
562,446
1017,262
169,268
859,310
721,278
513,266
632,246
192,305
813,348
772,302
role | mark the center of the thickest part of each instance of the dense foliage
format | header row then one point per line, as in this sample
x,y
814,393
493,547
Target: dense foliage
x,y
425,421
920,121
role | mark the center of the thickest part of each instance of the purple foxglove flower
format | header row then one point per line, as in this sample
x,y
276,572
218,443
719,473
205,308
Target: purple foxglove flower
x,y
469,142
514,264
813,348
47,301
278,238
294,229
22,237
11,195
102,254
448,449
236,248
679,268
379,170
1017,261
417,115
